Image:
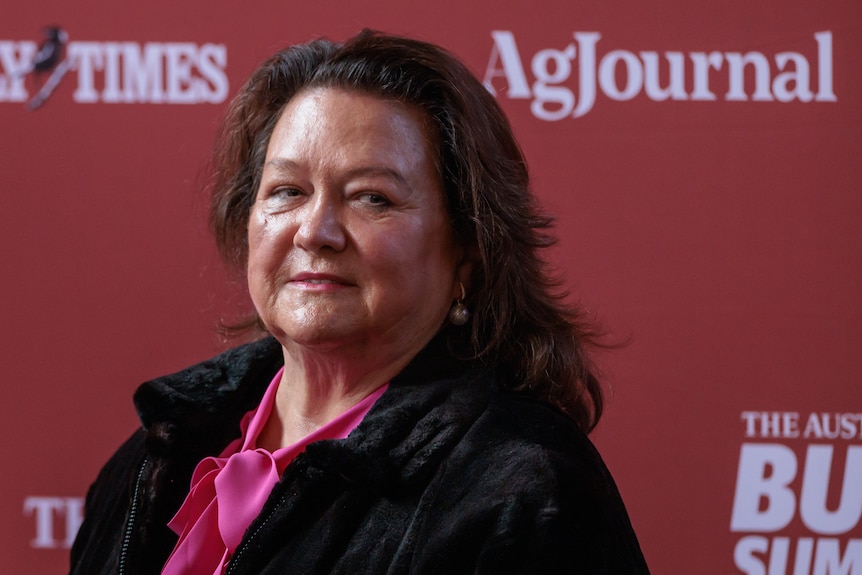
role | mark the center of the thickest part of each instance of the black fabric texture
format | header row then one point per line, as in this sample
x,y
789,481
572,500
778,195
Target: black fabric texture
x,y
448,473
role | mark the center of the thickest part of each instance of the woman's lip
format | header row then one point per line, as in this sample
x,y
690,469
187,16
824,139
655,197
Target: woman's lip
x,y
319,279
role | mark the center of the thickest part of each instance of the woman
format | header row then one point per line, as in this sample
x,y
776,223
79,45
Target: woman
x,y
421,401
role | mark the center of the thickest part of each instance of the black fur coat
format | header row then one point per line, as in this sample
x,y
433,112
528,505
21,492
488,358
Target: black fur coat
x,y
446,474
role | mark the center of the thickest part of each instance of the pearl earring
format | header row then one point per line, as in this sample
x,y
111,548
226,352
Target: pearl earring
x,y
459,314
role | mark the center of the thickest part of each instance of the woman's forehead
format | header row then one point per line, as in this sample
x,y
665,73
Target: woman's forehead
x,y
336,123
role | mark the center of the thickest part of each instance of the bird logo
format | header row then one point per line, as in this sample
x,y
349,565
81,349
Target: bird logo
x,y
49,60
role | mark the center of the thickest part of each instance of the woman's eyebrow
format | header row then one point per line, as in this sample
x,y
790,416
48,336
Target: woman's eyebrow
x,y
376,171
281,164
286,164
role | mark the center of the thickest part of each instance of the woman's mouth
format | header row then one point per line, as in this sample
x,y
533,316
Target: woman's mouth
x,y
323,282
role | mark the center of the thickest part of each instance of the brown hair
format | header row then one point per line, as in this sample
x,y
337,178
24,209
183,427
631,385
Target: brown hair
x,y
520,322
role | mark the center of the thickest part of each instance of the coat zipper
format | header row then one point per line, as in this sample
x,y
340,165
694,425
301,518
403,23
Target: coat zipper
x,y
234,561
130,523
298,465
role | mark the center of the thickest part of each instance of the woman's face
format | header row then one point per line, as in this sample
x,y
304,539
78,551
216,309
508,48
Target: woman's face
x,y
349,238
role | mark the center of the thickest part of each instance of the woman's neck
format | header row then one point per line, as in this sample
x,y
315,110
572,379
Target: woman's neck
x,y
315,388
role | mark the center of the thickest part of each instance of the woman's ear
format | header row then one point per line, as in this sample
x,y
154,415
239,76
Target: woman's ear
x,y
464,270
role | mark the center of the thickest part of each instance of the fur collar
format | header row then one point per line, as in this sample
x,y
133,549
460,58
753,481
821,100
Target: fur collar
x,y
196,412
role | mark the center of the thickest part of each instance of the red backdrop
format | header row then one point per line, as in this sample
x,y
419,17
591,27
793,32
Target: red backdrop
x,y
708,212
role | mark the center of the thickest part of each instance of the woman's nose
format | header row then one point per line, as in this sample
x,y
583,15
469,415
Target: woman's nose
x,y
321,226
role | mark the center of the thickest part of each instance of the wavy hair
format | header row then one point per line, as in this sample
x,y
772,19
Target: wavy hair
x,y
521,324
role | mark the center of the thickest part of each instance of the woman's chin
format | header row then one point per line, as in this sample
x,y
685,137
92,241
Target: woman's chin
x,y
318,338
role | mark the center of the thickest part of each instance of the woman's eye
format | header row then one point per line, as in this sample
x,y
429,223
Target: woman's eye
x,y
375,199
283,192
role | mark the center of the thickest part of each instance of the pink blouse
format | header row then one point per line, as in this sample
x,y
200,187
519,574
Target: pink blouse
x,y
228,491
